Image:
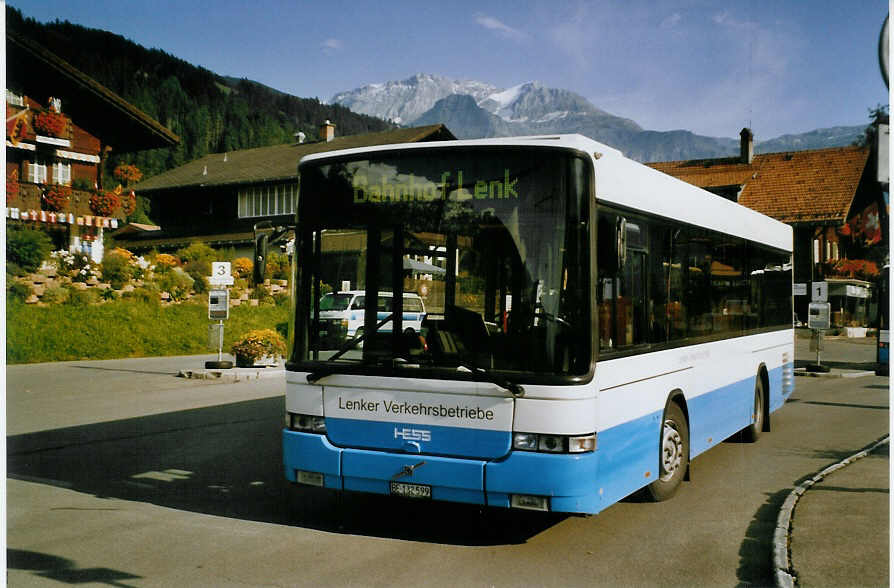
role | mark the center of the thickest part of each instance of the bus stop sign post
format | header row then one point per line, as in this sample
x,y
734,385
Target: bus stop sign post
x,y
819,314
219,309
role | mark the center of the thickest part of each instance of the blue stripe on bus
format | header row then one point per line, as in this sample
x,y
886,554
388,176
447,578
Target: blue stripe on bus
x,y
396,436
625,461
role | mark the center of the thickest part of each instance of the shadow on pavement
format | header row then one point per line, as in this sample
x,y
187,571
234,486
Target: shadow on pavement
x,y
63,570
866,366
756,551
226,461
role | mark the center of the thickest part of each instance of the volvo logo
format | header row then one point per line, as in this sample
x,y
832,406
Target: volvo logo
x,y
412,434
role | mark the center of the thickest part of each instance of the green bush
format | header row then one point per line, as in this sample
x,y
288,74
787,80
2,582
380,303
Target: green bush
x,y
177,283
198,251
282,299
199,270
278,266
27,248
116,269
18,291
108,294
55,295
83,297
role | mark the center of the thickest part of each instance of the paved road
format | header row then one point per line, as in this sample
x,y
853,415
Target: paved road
x,y
122,474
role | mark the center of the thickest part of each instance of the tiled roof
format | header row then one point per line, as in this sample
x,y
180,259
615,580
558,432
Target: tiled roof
x,y
800,186
278,162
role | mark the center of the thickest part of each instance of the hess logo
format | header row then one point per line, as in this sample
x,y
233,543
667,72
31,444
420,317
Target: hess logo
x,y
412,434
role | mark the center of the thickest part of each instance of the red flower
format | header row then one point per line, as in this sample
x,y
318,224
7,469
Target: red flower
x,y
127,173
129,204
56,198
104,203
49,123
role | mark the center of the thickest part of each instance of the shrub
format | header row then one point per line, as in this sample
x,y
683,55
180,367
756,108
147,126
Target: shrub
x,y
55,295
242,267
83,297
27,248
108,294
116,268
198,251
18,291
257,344
199,270
177,283
278,266
281,299
164,262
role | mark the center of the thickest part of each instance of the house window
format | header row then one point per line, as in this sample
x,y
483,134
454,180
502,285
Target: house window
x,y
267,200
62,173
37,172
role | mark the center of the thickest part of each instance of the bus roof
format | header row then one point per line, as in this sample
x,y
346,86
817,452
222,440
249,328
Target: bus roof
x,y
626,183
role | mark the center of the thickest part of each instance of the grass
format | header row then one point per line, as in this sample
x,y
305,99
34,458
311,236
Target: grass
x,y
123,328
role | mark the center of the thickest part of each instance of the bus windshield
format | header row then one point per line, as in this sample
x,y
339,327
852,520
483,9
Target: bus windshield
x,y
491,246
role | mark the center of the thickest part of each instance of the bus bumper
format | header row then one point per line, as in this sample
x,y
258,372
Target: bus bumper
x,y
568,481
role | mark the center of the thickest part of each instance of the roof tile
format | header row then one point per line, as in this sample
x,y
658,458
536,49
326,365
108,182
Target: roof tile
x,y
800,186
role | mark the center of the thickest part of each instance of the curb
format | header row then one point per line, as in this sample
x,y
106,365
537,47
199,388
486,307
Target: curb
x,y
233,374
833,374
782,565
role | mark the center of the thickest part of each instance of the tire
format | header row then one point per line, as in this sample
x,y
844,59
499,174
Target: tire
x,y
751,433
673,455
218,365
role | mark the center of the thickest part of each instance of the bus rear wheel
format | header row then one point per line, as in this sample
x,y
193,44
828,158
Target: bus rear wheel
x,y
751,433
674,455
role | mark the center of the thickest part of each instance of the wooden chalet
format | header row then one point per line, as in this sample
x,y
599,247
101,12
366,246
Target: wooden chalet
x,y
61,126
218,198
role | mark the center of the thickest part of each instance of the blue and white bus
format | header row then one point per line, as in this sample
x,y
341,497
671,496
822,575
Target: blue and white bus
x,y
591,326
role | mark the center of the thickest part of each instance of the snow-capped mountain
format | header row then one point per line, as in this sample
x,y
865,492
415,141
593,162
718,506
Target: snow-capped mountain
x,y
473,109
406,100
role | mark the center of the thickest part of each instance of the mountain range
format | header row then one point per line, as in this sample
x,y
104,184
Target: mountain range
x,y
474,109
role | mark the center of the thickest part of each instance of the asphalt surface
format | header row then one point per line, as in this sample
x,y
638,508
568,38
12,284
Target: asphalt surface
x,y
848,502
843,508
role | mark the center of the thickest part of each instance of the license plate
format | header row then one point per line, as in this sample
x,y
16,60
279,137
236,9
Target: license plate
x,y
410,490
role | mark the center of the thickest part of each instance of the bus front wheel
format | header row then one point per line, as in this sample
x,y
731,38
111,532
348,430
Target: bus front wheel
x,y
674,455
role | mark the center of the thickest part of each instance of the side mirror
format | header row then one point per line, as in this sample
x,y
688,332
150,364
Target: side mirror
x,y
612,245
260,260
621,242
262,232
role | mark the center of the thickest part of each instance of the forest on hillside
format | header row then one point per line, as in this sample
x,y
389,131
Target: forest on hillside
x,y
210,113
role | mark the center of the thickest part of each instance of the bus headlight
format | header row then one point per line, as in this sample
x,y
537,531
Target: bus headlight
x,y
524,441
554,443
306,423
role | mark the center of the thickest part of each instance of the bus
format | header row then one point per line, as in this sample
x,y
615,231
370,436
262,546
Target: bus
x,y
591,325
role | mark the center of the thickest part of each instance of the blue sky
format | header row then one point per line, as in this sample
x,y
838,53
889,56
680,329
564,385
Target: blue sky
x,y
785,66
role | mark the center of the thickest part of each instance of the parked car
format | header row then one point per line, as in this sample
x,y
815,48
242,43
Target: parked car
x,y
342,313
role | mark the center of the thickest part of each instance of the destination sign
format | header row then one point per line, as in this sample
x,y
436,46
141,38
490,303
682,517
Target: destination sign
x,y
453,186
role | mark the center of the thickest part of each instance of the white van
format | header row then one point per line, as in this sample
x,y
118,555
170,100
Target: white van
x,y
342,312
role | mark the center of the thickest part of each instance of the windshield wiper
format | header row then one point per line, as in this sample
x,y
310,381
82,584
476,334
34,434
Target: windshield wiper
x,y
488,376
350,344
